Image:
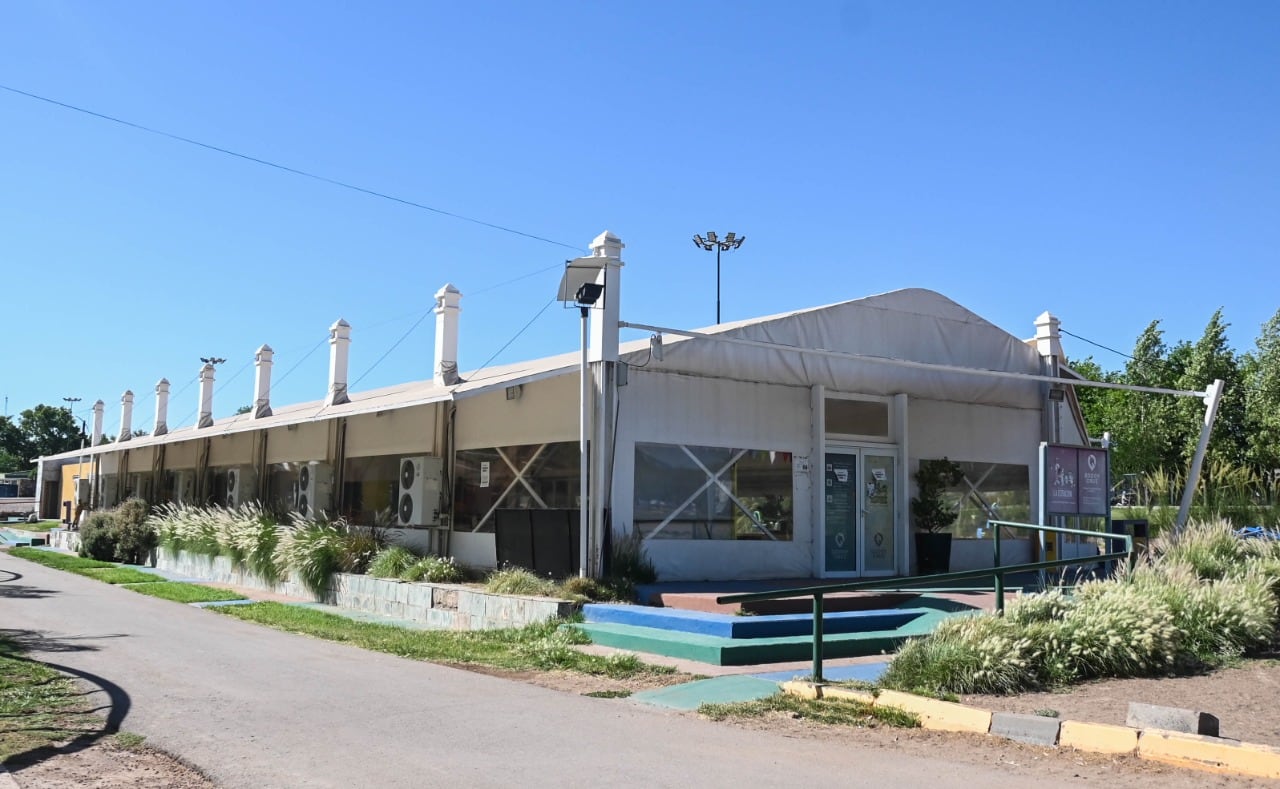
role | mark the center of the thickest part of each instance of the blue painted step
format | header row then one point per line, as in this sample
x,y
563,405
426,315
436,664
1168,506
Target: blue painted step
x,y
745,627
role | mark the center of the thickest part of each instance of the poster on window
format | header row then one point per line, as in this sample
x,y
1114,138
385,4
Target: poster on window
x,y
878,513
841,509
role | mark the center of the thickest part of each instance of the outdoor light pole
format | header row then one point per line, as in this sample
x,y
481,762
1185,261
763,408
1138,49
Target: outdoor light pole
x,y
580,288
71,401
730,241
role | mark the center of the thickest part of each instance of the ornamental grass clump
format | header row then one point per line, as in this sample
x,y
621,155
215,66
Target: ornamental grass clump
x,y
1110,630
392,562
970,654
313,550
516,580
1211,549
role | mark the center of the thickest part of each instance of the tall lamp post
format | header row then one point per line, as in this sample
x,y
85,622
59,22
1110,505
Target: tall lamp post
x,y
730,241
71,401
579,287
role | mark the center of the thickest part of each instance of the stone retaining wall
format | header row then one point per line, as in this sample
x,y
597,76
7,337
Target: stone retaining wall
x,y
441,606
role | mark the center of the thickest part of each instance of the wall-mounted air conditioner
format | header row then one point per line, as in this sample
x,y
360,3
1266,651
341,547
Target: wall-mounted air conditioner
x,y
419,501
313,493
242,485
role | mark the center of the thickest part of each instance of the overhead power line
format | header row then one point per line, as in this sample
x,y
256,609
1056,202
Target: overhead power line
x,y
287,169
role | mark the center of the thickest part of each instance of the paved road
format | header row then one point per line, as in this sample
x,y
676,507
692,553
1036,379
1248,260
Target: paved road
x,y
254,707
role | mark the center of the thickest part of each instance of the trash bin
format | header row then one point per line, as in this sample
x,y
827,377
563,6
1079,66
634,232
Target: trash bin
x,y
1137,528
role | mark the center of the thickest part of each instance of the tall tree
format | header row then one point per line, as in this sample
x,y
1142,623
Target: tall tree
x,y
1261,372
1212,358
1142,424
43,430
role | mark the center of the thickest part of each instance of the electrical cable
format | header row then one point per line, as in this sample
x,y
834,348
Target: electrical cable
x,y
287,169
1112,350
523,329
394,345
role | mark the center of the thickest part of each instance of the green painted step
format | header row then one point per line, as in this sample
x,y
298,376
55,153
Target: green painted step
x,y
744,652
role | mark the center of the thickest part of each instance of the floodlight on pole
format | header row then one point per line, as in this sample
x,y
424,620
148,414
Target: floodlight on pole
x,y
580,287
730,241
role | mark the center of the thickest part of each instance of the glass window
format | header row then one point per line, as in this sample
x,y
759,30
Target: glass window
x,y
712,493
370,487
991,491
857,417
526,477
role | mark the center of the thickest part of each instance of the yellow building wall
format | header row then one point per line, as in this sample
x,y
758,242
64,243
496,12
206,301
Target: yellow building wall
x,y
70,473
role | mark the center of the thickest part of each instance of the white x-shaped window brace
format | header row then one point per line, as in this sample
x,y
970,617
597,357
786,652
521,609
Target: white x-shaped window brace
x,y
519,480
713,479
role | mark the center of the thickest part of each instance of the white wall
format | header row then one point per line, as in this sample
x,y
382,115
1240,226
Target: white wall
x,y
303,442
403,431
974,432
676,409
181,455
547,410
232,449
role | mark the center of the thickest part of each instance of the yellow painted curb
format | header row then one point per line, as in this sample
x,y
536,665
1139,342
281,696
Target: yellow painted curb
x,y
804,690
849,694
1209,753
935,714
1097,737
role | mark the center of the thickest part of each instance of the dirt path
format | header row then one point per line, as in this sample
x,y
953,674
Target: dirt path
x,y
107,766
1244,699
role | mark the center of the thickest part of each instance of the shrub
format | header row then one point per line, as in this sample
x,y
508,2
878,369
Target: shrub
x,y
313,550
135,542
516,580
360,545
98,537
434,569
392,562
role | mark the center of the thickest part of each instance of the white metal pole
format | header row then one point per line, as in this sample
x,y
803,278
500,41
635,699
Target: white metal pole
x,y
583,512
1211,401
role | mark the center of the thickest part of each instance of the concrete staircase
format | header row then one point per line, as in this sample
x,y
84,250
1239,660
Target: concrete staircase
x,y
725,639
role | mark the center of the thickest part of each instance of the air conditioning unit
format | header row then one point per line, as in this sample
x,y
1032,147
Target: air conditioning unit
x,y
419,499
242,484
314,492
184,487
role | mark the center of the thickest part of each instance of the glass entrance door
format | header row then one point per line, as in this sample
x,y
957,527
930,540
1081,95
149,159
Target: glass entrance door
x,y
859,512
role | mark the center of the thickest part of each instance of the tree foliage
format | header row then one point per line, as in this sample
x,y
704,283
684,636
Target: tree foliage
x,y
39,431
1153,432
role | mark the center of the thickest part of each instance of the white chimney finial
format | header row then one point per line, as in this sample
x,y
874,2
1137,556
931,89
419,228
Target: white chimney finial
x,y
339,352
445,369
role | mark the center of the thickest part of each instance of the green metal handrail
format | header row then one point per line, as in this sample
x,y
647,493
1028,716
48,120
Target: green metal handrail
x,y
997,572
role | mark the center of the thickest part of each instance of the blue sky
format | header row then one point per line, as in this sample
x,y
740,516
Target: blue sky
x,y
1111,162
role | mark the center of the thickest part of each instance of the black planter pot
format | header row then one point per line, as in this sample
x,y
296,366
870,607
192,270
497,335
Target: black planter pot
x,y
933,552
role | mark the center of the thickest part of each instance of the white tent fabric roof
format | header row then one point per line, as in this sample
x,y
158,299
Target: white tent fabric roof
x,y
912,324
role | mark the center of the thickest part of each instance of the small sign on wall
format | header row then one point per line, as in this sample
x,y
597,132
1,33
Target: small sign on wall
x,y
484,473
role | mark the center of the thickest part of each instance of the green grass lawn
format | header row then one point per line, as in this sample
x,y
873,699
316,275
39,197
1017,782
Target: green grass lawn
x,y
535,647
37,526
117,575
38,706
180,592
58,561
836,712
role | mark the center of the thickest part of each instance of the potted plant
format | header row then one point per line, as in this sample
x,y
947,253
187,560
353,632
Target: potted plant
x,y
934,511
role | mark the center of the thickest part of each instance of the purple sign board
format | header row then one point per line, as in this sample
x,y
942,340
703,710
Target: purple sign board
x,y
1076,481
